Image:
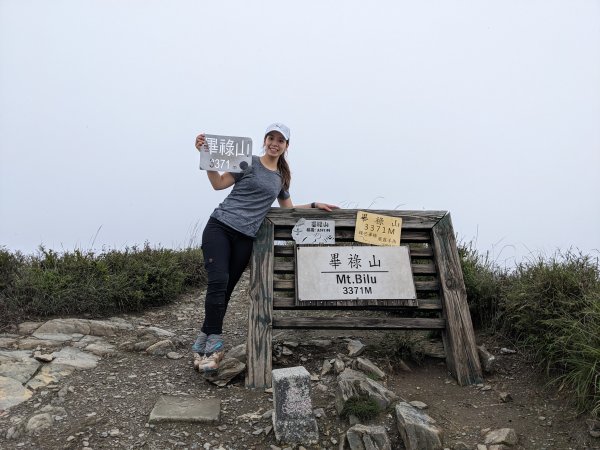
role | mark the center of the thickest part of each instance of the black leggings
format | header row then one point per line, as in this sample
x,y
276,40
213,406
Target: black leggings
x,y
226,254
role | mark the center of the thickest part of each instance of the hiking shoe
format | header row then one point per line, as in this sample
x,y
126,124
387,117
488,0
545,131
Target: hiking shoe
x,y
200,344
211,362
199,360
214,343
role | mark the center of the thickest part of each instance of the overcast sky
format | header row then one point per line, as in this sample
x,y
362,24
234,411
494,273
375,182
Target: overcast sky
x,y
490,110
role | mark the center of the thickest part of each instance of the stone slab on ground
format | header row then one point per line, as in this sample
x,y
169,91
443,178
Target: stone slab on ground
x,y
21,371
12,393
69,356
172,408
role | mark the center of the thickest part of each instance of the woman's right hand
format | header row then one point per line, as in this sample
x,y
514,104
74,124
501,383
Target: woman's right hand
x,y
200,141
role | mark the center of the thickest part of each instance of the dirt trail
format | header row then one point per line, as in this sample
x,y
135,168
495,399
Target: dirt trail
x,y
108,406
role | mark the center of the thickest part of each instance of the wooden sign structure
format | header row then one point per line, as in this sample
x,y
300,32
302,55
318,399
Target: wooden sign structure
x,y
441,302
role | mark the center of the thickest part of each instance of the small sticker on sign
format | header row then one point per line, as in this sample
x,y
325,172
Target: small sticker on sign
x,y
377,229
314,231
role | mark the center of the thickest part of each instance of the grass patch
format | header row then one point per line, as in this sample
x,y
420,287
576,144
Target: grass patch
x,y
362,407
550,309
88,284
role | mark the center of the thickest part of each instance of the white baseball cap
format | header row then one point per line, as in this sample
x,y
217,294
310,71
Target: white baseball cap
x,y
279,127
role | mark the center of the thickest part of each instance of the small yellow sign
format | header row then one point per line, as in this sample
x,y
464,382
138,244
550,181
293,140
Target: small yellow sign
x,y
376,229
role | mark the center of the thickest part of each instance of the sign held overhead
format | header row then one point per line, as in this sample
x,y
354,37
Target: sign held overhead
x,y
226,153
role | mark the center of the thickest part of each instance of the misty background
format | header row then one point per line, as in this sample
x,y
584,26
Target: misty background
x,y
490,110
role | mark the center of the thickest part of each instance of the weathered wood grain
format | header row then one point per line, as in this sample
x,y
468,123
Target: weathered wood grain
x,y
428,304
282,284
347,217
459,338
363,323
260,313
347,235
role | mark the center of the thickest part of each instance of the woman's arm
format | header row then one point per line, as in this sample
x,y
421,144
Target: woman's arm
x,y
287,203
217,180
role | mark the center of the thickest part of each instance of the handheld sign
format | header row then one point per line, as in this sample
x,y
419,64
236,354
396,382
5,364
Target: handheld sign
x,y
226,153
314,231
376,229
354,273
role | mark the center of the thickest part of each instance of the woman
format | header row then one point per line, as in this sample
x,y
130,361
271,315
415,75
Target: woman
x,y
229,233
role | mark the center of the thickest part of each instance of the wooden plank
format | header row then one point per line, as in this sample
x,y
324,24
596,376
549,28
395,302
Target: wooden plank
x,y
364,323
429,304
347,235
260,313
416,253
282,284
288,266
459,338
347,217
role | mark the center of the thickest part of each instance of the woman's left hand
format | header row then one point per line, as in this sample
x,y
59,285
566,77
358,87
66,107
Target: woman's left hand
x,y
326,206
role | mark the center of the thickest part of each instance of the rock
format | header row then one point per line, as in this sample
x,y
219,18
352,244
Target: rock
x,y
170,408
507,351
319,412
161,348
459,445
63,326
158,332
369,368
174,355
481,447
292,344
16,431
228,370
487,360
14,355
505,397
20,371
338,365
293,419
419,405
238,352
34,343
363,437
417,429
39,422
355,348
108,327
326,368
351,383
43,357
74,357
403,366
505,436
50,373
26,328
8,342
12,393
101,349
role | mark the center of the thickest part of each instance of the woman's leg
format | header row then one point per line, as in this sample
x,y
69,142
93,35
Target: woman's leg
x,y
216,249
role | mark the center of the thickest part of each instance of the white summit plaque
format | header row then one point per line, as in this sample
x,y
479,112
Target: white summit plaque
x,y
354,273
226,153
314,231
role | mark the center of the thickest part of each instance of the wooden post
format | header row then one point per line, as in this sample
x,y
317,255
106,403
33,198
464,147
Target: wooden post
x,y
459,338
260,314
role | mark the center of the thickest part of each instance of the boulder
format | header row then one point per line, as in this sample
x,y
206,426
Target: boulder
x,y
501,436
12,393
366,366
363,437
417,429
351,384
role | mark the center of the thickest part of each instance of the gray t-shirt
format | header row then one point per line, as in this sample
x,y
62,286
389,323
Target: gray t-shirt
x,y
252,195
